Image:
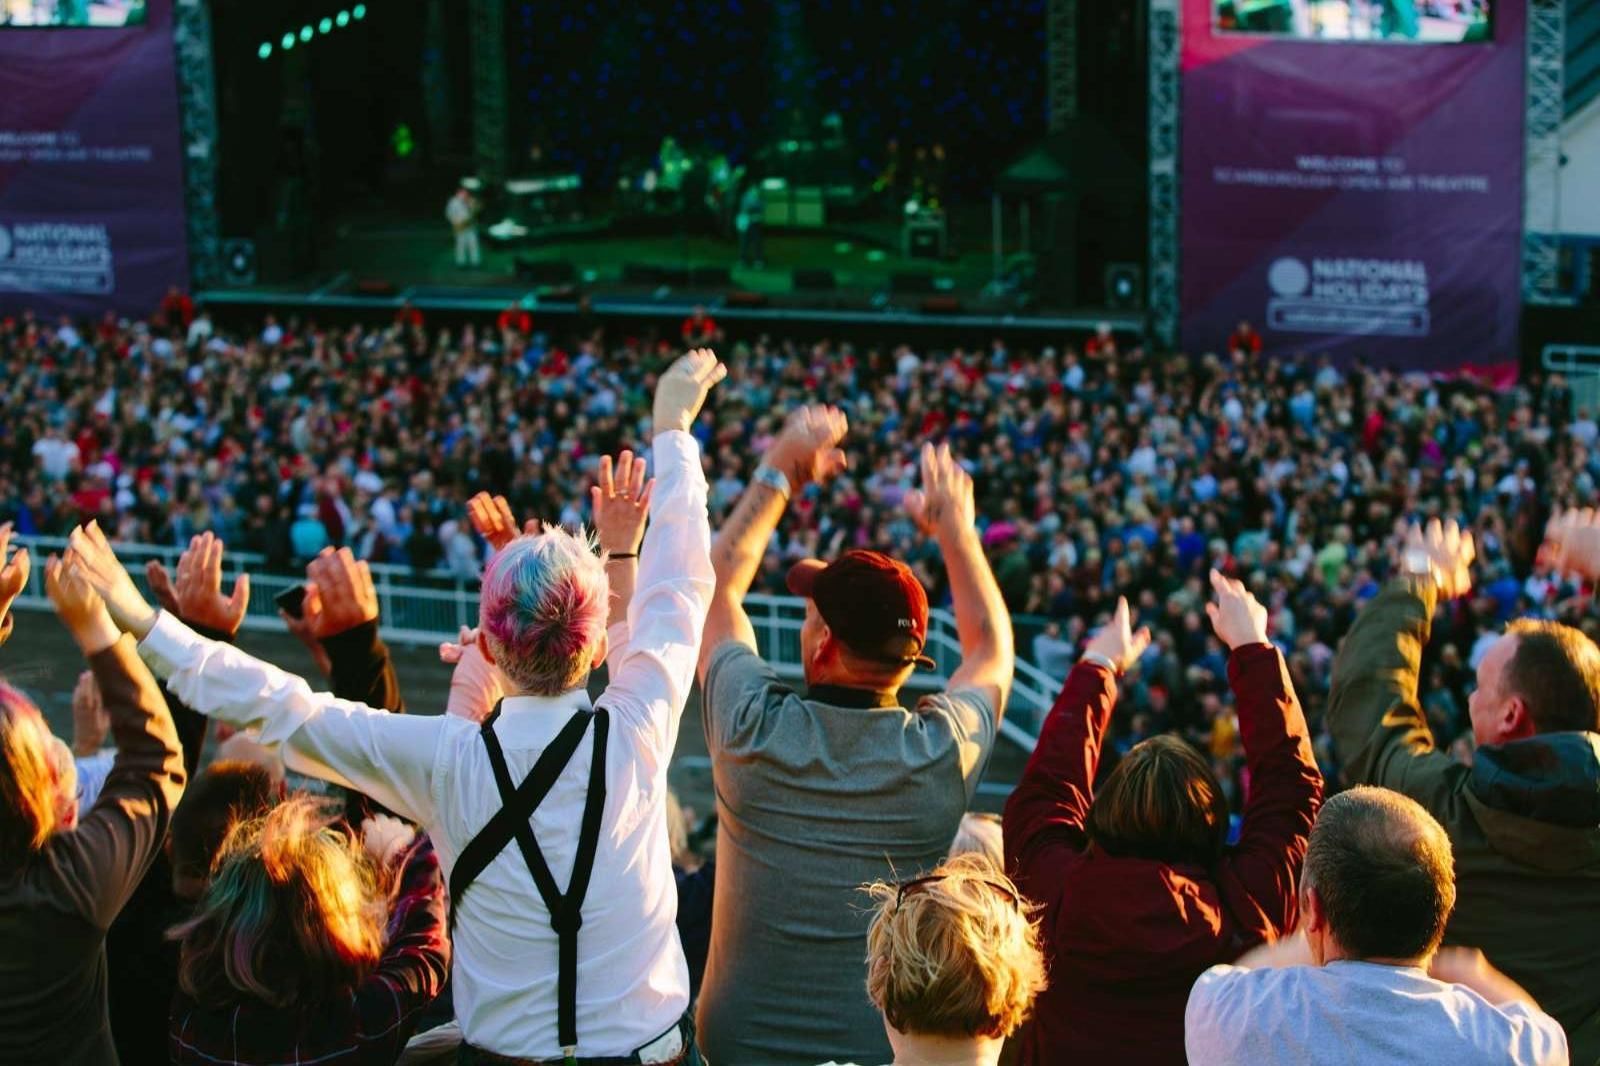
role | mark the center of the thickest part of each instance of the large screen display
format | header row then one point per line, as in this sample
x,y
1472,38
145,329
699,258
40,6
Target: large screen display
x,y
1359,200
34,14
1392,21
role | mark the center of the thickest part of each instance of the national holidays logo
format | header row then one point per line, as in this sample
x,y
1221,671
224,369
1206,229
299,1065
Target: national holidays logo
x,y
1349,296
58,257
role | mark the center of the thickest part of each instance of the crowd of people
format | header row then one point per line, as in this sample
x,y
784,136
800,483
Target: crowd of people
x,y
1242,560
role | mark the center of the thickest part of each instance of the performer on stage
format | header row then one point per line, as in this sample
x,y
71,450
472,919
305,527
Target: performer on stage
x,y
462,213
750,223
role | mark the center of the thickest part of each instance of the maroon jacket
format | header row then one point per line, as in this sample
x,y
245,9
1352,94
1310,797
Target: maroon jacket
x,y
1125,938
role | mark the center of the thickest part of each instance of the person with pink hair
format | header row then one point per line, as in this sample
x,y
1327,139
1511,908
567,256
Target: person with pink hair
x,y
517,799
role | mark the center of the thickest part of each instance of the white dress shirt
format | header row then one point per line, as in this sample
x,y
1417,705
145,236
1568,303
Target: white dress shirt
x,y
633,983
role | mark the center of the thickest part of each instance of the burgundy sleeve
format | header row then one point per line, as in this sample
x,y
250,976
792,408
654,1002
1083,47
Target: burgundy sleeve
x,y
1050,805
1259,877
416,961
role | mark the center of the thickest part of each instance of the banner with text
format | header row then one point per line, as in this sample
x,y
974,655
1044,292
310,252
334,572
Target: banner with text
x,y
1350,187
91,171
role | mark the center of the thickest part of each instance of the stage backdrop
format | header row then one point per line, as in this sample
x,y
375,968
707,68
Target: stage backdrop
x,y
1354,198
91,175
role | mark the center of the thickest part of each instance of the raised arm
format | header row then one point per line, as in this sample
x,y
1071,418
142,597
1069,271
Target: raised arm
x,y
621,505
13,579
651,677
117,839
944,509
807,450
1379,731
341,606
1048,809
388,757
416,956
1285,784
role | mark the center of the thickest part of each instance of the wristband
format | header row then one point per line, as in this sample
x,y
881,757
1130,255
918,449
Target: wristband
x,y
1097,659
614,556
774,479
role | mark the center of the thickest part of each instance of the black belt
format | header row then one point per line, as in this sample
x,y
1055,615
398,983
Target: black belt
x,y
512,822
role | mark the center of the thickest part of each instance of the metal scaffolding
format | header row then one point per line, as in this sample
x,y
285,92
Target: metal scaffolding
x,y
488,52
197,110
1541,212
1165,41
1061,38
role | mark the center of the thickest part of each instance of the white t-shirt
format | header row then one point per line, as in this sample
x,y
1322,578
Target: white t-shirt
x,y
56,457
1359,1012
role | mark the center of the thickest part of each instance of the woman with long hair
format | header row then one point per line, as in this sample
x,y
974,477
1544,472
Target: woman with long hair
x,y
1139,890
65,874
310,945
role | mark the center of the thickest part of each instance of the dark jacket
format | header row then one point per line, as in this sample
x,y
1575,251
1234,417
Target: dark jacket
x,y
1524,819
1125,938
56,906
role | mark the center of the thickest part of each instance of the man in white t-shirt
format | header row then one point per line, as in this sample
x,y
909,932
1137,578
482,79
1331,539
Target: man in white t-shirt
x,y
1365,979
462,213
57,456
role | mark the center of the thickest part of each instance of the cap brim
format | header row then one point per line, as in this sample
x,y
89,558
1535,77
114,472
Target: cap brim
x,y
802,577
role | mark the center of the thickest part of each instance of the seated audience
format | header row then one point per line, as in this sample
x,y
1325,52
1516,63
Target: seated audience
x,y
295,952
1139,895
1365,979
825,788
524,985
1524,816
61,886
953,963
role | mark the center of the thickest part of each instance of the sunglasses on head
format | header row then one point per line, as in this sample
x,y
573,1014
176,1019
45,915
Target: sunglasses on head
x,y
919,884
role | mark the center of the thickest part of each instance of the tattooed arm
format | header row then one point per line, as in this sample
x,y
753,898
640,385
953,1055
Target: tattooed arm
x,y
806,451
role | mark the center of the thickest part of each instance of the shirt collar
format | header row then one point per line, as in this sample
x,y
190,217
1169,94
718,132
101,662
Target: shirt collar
x,y
540,718
842,696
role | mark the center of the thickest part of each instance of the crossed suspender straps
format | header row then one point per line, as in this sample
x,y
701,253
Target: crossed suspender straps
x,y
512,822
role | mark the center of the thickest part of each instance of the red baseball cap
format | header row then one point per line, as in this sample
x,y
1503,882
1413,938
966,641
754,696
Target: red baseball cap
x,y
874,604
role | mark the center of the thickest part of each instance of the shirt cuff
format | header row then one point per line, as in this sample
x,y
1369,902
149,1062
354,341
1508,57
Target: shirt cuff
x,y
167,645
674,444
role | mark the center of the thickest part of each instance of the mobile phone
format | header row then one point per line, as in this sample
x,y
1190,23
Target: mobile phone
x,y
291,601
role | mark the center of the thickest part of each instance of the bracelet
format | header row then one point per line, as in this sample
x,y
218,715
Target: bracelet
x,y
614,556
773,478
1097,659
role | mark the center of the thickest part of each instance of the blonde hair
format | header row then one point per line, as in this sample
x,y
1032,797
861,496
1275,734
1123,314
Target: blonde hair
x,y
28,781
957,957
294,913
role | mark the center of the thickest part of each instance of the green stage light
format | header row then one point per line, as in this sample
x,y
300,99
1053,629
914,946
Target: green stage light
x,y
306,33
287,42
325,26
359,11
342,18
265,51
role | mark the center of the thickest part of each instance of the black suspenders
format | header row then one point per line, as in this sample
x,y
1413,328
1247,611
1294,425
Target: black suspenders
x,y
512,822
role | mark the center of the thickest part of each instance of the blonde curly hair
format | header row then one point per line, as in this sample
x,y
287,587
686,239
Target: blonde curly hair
x,y
956,955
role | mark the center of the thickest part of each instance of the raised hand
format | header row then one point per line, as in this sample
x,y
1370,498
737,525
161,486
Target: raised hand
x,y
196,597
475,685
683,388
92,556
77,604
90,720
1572,542
491,516
1237,616
13,571
340,594
1117,640
621,503
808,449
1449,553
304,629
386,838
944,505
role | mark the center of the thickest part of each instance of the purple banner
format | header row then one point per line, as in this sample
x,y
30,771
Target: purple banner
x,y
91,171
1356,198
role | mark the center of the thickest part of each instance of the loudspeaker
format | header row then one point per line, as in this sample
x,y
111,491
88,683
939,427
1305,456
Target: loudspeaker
x,y
911,284
1124,286
545,271
239,261
815,280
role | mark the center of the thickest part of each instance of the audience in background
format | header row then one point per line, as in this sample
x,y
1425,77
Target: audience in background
x,y
1365,980
1524,817
1139,889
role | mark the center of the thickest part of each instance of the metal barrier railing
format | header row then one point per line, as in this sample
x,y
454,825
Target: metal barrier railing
x,y
415,614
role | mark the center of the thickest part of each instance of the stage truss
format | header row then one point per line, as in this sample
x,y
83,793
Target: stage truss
x,y
1541,218
1165,43
197,110
1061,78
488,56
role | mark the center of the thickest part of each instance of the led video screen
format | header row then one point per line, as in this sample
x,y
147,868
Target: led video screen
x,y
71,14
1364,21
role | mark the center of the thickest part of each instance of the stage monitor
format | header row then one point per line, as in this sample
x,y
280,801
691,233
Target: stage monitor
x,y
1360,21
71,14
